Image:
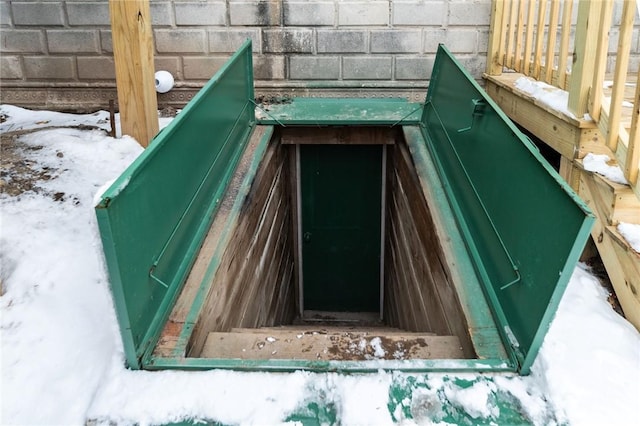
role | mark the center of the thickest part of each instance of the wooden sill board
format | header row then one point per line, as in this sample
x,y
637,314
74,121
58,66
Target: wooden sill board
x,y
352,346
368,332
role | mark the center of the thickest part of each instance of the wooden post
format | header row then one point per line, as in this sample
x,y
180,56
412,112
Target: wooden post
x,y
496,39
584,55
133,55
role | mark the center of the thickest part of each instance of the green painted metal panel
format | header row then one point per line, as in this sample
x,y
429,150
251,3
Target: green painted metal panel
x,y
522,224
341,191
154,217
372,366
339,111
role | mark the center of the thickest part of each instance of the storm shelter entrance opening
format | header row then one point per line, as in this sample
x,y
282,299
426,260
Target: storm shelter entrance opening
x,y
342,228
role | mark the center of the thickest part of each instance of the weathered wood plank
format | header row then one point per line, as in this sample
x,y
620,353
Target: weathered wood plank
x,y
432,250
296,223
338,136
622,266
560,133
417,276
248,252
252,285
408,307
178,315
445,261
421,281
437,278
264,344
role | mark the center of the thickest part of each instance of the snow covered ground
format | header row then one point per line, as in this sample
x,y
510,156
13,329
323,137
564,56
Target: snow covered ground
x,y
62,359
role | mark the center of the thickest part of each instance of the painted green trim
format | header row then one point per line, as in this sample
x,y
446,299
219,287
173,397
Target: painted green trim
x,y
288,365
340,111
565,275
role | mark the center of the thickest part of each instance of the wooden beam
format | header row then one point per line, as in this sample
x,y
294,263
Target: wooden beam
x,y
584,55
561,132
133,56
339,136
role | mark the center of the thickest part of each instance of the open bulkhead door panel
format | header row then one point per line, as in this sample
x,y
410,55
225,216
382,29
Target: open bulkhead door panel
x,y
522,224
154,217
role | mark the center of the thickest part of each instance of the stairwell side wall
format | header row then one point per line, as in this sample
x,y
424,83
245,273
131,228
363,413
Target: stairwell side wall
x,y
254,283
419,294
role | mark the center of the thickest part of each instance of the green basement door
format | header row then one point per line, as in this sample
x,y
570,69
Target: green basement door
x,y
341,221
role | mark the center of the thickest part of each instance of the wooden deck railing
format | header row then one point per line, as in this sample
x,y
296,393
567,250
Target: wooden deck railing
x,y
535,38
524,38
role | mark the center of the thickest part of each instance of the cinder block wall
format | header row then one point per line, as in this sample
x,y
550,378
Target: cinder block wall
x,y
58,54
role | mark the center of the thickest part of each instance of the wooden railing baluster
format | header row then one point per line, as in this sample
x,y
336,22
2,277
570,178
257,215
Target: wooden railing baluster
x,y
528,44
567,8
551,41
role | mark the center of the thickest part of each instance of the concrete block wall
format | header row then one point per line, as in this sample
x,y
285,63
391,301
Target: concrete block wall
x,y
301,47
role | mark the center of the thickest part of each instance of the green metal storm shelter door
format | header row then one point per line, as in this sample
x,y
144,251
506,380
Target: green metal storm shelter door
x,y
523,226
154,217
